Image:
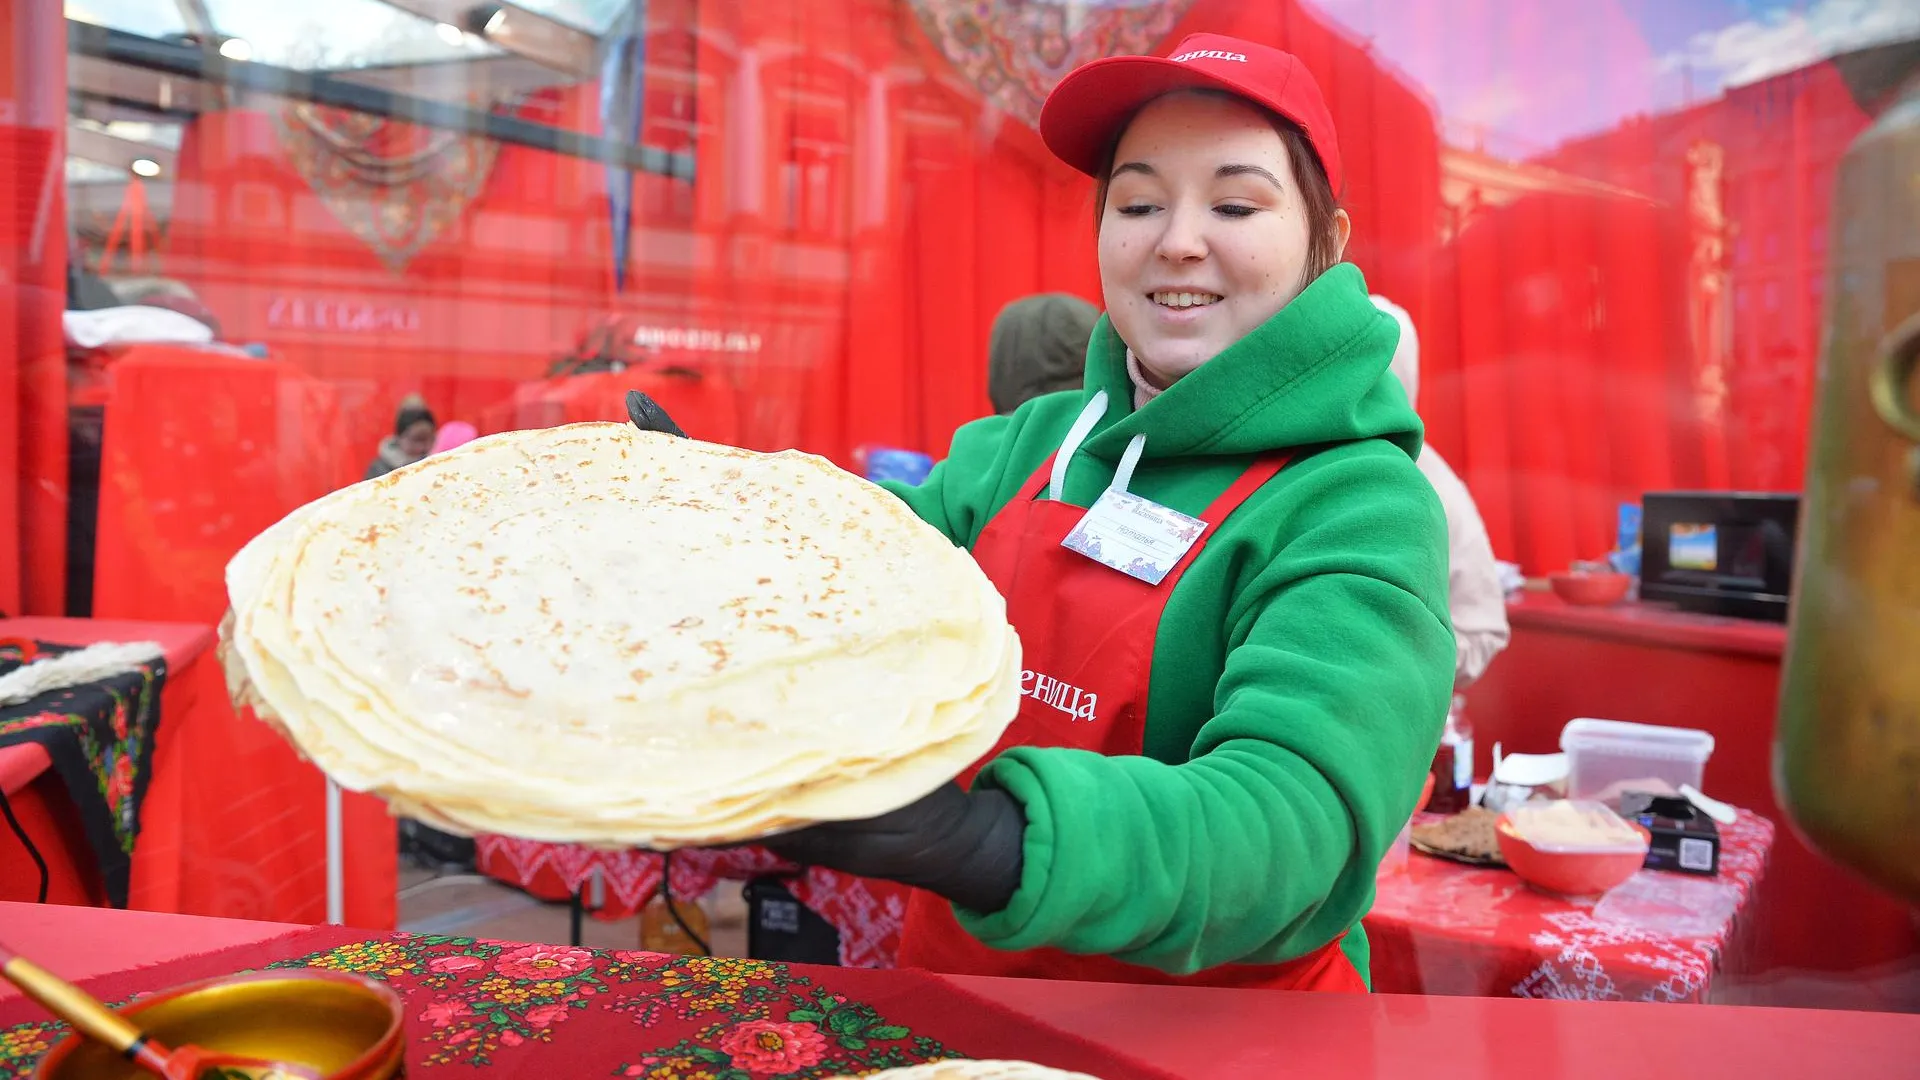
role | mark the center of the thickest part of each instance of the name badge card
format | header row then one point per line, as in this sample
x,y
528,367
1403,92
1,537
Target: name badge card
x,y
1136,536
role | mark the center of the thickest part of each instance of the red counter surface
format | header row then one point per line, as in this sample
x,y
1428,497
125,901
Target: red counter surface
x,y
1652,664
1239,1034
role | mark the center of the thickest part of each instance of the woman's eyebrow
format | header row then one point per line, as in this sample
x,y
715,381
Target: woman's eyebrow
x,y
1225,171
1140,167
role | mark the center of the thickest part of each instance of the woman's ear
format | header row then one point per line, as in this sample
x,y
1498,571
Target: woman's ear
x,y
1342,230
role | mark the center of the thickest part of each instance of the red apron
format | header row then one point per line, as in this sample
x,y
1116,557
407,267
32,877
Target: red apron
x,y
1087,633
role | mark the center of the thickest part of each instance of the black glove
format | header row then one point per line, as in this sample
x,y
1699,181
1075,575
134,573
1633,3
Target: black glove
x,y
647,415
966,847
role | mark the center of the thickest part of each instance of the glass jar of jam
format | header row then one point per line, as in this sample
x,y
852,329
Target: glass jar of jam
x,y
1453,763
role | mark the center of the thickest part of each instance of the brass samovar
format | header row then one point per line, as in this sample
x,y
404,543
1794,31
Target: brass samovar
x,y
1847,756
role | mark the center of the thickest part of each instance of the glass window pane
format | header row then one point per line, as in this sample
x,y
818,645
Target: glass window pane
x,y
341,34
591,15
149,18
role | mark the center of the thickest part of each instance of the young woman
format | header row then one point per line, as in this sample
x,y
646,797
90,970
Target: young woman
x,y
1219,740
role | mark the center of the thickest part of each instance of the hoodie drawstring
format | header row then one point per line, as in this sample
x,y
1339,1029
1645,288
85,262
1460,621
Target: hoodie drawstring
x,y
1082,427
1077,434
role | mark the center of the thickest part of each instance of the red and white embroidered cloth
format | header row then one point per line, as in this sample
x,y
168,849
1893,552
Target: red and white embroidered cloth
x,y
1439,927
867,913
1436,927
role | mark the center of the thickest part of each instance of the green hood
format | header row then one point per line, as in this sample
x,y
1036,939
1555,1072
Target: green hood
x,y
1314,373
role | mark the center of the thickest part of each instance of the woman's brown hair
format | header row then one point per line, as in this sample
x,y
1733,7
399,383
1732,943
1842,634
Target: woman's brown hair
x,y
1316,192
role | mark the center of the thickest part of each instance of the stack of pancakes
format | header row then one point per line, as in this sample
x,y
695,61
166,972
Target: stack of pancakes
x,y
598,635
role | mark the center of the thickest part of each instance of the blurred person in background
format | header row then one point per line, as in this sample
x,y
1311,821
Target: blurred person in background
x,y
412,439
1476,600
1038,346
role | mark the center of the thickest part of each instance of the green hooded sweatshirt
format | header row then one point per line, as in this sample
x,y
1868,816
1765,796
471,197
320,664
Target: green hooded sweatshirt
x,y
1303,665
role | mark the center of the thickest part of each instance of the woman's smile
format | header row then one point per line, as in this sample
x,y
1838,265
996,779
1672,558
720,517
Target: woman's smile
x,y
1184,299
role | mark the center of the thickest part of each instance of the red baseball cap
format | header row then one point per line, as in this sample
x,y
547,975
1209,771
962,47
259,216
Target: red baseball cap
x,y
1085,112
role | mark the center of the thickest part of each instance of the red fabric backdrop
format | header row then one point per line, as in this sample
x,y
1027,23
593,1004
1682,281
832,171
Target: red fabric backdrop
x,y
856,220
858,213
17,206
1591,346
33,267
1606,318
234,823
1631,310
200,453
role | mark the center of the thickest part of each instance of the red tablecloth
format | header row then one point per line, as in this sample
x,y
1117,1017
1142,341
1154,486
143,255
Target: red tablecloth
x,y
1650,664
868,914
1198,1032
200,452
1439,927
232,823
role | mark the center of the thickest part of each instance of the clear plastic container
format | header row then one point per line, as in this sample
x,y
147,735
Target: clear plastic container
x,y
1607,757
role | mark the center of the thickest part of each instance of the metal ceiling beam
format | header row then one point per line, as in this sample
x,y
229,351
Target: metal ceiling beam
x,y
106,149
187,62
492,78
198,19
538,38
95,77
199,23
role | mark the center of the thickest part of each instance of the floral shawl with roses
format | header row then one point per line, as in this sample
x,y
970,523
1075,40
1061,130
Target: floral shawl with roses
x,y
552,1010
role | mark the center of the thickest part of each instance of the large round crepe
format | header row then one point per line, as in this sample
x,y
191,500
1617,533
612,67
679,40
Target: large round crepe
x,y
599,635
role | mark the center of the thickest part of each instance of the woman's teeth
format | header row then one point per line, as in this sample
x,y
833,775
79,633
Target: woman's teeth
x,y
1184,299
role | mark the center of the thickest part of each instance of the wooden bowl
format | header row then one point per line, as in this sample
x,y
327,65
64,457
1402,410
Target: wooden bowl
x,y
1569,873
347,1027
1591,590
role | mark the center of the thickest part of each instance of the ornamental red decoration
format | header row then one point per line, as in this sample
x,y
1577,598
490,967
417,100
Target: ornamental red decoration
x,y
1014,51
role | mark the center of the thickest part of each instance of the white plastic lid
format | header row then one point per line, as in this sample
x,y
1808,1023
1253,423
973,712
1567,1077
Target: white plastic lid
x,y
1649,740
1530,770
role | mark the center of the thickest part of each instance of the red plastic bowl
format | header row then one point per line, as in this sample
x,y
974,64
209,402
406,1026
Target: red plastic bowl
x,y
1592,590
1573,874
